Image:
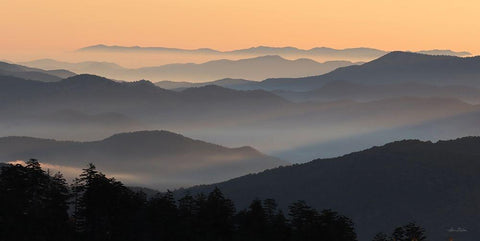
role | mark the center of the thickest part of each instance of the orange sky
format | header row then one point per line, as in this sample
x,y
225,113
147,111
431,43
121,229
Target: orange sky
x,y
36,27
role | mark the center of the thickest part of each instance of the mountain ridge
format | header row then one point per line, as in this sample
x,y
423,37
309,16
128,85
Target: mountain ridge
x,y
20,71
255,68
176,159
262,49
394,67
408,180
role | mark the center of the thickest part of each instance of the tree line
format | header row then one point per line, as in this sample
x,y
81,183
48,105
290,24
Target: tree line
x,y
35,205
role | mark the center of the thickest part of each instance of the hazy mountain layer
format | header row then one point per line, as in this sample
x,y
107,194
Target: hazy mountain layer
x,y
330,129
349,53
96,94
258,68
343,90
238,84
20,71
393,68
89,107
434,184
157,159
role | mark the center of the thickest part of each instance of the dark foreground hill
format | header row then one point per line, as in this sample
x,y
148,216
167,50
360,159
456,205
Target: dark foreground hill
x,y
435,184
157,159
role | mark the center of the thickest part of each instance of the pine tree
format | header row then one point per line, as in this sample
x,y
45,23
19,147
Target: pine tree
x,y
34,199
104,208
381,237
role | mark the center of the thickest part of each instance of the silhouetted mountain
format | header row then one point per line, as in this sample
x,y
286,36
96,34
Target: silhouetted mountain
x,y
25,104
115,48
213,93
395,67
94,93
158,159
445,52
62,73
87,67
338,90
239,84
434,184
210,113
348,53
258,68
33,73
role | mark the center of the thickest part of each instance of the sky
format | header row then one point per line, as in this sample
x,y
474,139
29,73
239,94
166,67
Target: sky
x,y
33,28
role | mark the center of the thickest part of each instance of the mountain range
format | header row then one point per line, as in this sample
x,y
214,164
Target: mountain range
x,y
348,53
34,73
238,84
94,93
87,107
258,68
434,184
394,67
393,75
158,159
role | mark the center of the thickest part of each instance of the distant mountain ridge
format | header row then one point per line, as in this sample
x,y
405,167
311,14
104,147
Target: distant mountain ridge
x,y
434,184
159,159
266,50
238,84
257,68
445,52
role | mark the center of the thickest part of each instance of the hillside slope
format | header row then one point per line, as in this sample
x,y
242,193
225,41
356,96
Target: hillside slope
x,y
435,184
394,67
158,159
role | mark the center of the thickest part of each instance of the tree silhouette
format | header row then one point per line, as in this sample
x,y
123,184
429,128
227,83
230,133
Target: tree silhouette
x,y
105,209
188,210
163,216
308,224
33,204
381,237
409,232
262,221
218,216
253,222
